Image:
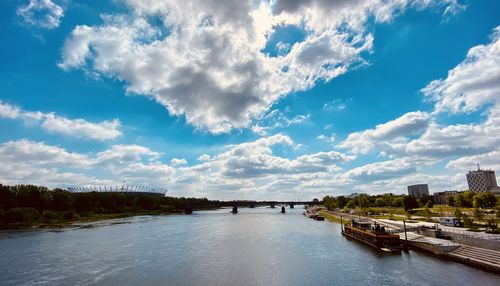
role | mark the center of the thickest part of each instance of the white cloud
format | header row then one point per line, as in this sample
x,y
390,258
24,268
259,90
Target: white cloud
x,y
203,157
43,14
79,128
178,162
329,139
9,111
489,160
379,171
26,151
106,130
397,129
205,59
473,83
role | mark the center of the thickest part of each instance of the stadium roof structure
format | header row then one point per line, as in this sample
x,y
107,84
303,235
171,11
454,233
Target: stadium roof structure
x,y
127,189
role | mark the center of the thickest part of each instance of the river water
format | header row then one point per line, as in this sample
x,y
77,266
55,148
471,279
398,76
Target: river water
x,y
255,247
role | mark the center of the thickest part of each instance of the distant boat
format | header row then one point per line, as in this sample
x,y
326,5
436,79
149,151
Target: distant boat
x,y
318,217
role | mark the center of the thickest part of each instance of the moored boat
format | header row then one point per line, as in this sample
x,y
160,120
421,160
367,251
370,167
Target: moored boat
x,y
373,234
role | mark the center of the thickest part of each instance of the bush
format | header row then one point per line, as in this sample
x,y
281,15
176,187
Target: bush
x,y
167,208
69,215
49,215
21,215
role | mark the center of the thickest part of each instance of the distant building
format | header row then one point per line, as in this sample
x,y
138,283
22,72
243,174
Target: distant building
x,y
482,180
353,195
136,190
442,197
418,191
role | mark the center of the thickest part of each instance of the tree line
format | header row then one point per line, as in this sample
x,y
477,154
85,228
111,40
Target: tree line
x,y
24,204
463,199
470,199
383,200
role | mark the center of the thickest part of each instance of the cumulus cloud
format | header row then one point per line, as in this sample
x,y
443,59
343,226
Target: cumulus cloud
x,y
203,157
43,14
399,128
471,84
379,171
25,161
80,128
177,162
416,140
326,138
9,111
489,160
205,60
40,153
247,167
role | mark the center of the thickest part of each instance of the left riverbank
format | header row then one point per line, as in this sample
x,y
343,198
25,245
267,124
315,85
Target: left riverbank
x,y
28,206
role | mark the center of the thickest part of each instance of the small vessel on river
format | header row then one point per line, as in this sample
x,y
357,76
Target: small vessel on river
x,y
372,234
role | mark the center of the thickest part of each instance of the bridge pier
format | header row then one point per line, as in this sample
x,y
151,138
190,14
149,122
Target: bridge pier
x,y
292,206
272,206
283,210
235,210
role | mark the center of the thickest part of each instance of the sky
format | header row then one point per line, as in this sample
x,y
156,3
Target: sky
x,y
237,99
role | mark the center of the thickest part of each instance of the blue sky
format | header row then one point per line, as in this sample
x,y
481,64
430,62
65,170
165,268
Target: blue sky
x,y
249,99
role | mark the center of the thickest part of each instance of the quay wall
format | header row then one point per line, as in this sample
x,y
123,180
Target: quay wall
x,y
473,241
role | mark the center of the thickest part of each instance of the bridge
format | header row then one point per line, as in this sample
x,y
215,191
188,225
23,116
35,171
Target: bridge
x,y
272,204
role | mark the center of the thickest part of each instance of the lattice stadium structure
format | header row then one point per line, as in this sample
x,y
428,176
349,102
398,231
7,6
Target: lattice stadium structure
x,y
135,190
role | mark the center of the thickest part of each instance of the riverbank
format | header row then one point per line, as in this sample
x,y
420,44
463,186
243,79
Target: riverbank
x,y
58,223
68,223
477,257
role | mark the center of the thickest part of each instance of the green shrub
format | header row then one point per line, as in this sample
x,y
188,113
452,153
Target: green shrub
x,y
21,215
69,215
167,208
49,215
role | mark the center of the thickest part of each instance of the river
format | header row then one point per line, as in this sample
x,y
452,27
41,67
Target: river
x,y
255,247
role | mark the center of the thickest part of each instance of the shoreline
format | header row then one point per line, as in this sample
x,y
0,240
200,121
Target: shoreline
x,y
62,224
449,256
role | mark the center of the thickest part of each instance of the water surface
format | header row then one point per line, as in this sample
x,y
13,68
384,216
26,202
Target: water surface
x,y
255,247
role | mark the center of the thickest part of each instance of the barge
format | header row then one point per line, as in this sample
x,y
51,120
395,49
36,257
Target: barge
x,y
373,235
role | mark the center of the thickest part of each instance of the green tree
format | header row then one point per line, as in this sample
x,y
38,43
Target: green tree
x,y
467,220
478,214
427,212
484,200
380,202
451,201
350,205
398,202
21,215
342,201
330,203
62,200
458,213
410,202
427,200
362,201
